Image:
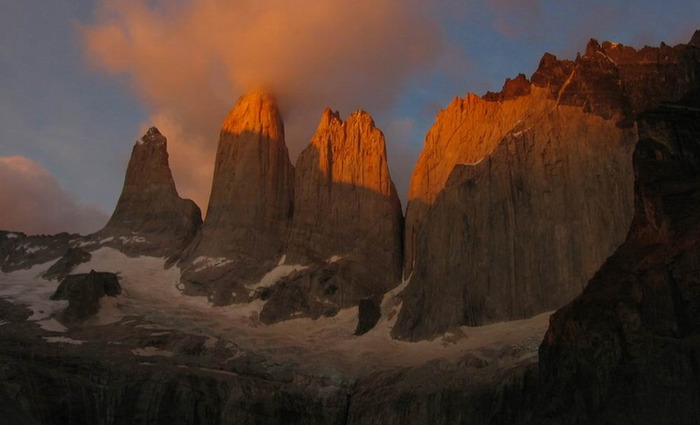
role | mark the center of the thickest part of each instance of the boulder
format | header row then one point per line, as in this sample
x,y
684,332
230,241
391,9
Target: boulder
x,y
83,292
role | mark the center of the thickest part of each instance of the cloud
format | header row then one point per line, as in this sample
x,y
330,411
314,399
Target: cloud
x,y
32,201
189,61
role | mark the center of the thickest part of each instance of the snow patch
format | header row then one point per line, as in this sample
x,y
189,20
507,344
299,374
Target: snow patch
x,y
335,259
52,325
110,311
326,345
132,240
210,262
274,275
33,249
105,240
27,287
11,235
62,340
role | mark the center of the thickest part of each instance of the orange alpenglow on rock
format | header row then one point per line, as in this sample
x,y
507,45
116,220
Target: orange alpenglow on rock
x,y
344,200
250,206
519,197
347,225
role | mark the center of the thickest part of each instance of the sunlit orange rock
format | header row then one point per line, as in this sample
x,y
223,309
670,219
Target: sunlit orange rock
x,y
520,196
345,203
250,206
347,223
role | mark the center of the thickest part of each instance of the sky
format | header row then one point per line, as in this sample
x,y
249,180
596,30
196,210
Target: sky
x,y
82,80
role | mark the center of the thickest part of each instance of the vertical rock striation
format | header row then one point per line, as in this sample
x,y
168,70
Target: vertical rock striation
x,y
345,203
519,197
626,350
347,222
250,206
150,218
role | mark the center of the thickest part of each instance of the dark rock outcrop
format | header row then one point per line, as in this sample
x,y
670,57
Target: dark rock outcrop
x,y
467,393
250,207
64,265
150,218
368,313
626,350
516,203
19,251
321,289
83,292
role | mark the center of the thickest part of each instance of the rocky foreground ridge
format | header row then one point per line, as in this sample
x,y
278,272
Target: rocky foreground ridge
x,y
516,201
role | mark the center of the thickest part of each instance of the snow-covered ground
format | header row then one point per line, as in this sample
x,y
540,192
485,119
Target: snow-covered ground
x,y
325,346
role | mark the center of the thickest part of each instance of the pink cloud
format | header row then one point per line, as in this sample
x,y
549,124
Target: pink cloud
x,y
190,60
32,201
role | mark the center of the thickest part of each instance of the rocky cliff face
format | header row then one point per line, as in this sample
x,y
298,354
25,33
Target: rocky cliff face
x,y
519,197
346,212
345,203
626,350
150,218
347,223
250,207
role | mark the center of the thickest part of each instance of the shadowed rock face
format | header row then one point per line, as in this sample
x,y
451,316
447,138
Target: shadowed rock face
x,y
62,268
347,222
19,251
150,218
626,350
251,201
515,203
345,203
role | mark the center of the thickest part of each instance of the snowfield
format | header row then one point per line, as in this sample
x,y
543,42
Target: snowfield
x,y
323,347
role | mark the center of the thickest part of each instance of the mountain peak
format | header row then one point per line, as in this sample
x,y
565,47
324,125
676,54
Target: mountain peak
x,y
695,40
256,111
150,217
250,202
592,48
152,136
328,117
